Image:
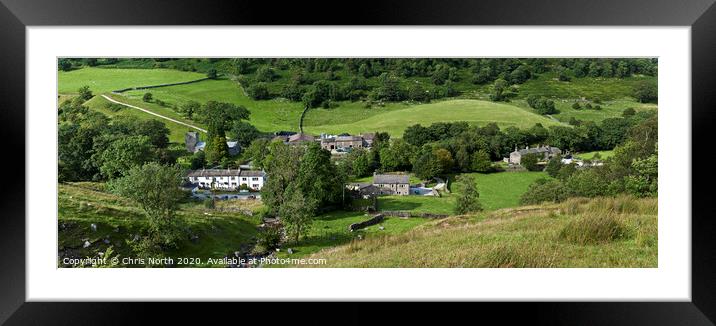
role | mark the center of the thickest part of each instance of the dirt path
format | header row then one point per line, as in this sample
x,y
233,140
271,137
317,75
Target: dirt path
x,y
152,113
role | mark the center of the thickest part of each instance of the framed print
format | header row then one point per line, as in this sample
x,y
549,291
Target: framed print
x,y
486,156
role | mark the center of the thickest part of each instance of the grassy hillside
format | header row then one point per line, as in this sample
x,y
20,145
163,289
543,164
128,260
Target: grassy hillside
x,y
101,80
602,232
176,131
472,111
220,231
268,115
354,117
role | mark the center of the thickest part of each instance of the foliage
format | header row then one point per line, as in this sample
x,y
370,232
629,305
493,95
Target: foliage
x,y
530,162
85,93
147,97
123,154
267,239
646,92
296,212
156,189
553,166
468,200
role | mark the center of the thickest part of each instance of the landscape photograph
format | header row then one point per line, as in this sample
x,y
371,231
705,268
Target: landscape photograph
x,y
363,162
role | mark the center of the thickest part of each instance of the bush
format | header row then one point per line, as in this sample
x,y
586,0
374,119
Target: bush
x,y
541,105
258,91
544,190
628,112
268,239
85,93
593,228
530,162
147,97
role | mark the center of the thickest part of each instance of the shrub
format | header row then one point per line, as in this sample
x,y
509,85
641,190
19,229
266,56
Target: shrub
x,y
85,93
628,112
258,91
530,162
576,106
544,190
593,228
147,97
269,238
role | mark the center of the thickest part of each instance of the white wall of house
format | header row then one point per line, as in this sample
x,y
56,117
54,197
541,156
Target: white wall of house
x,y
228,182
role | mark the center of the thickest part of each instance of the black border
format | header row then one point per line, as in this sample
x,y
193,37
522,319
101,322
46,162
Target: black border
x,y
15,15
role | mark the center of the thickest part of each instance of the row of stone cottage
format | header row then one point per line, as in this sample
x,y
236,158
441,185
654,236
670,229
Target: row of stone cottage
x,y
336,144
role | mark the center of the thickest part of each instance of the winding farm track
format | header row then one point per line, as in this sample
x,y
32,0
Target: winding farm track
x,y
152,113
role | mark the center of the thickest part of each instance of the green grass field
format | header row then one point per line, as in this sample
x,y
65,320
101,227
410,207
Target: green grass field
x,y
473,111
102,80
176,131
602,232
268,115
497,190
354,117
590,155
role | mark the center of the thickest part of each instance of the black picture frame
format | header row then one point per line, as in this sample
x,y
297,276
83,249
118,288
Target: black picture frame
x,y
700,15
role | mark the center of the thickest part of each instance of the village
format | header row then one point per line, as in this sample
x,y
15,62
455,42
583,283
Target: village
x,y
249,181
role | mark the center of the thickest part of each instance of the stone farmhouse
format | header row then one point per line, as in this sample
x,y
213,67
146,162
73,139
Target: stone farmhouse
x,y
392,184
547,152
336,144
227,179
194,144
331,143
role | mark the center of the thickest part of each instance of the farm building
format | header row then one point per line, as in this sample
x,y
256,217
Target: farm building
x,y
300,138
392,184
227,179
341,141
547,152
346,141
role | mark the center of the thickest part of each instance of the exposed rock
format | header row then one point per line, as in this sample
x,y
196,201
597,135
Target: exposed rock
x,y
86,244
93,227
381,228
290,251
106,241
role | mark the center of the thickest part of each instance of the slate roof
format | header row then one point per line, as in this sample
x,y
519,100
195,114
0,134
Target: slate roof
x,y
301,137
225,173
390,178
252,173
543,149
214,173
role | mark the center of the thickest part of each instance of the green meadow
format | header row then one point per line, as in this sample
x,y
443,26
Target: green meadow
x,y
473,111
102,80
176,131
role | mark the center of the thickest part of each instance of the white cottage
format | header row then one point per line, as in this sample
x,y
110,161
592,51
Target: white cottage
x,y
227,179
